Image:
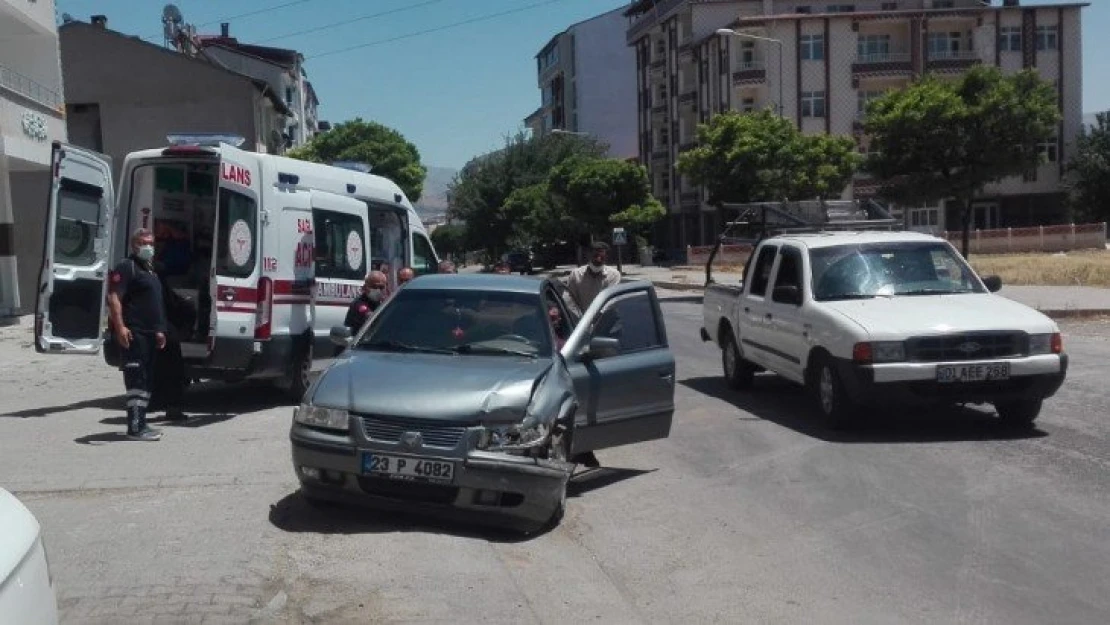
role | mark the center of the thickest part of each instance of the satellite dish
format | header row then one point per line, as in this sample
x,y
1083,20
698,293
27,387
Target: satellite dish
x,y
171,14
66,18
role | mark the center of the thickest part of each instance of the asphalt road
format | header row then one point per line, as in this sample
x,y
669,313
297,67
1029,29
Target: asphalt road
x,y
749,513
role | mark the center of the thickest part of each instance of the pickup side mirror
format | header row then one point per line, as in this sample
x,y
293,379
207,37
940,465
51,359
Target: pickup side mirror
x,y
787,294
340,336
993,283
600,347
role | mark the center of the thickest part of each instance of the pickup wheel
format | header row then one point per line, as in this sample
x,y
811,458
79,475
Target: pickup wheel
x,y
1019,414
833,402
739,373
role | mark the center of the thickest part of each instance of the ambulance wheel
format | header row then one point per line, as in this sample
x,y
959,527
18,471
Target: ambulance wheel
x,y
300,373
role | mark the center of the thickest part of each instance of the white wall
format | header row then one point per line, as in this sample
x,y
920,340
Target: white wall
x,y
605,77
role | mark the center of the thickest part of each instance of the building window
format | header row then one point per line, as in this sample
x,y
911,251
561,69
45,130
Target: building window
x,y
660,46
864,98
813,47
946,45
890,6
871,48
943,4
1047,37
1048,150
747,105
841,8
664,137
747,54
1009,39
813,104
921,217
803,11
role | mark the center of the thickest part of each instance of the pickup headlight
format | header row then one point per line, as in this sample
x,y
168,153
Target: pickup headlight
x,y
1045,344
518,437
315,416
879,352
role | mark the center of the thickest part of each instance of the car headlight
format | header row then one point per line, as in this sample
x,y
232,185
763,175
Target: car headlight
x,y
316,416
518,437
1045,344
879,351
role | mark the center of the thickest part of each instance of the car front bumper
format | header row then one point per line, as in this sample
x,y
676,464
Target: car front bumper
x,y
1031,378
489,487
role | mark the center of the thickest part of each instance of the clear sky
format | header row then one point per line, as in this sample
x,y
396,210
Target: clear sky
x,y
454,92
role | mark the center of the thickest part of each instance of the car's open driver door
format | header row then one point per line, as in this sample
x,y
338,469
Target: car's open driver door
x,y
70,303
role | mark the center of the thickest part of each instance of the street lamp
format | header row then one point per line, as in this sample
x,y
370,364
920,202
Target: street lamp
x,y
729,31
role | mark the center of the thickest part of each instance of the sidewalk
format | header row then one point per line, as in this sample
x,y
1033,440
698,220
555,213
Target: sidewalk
x,y
1058,302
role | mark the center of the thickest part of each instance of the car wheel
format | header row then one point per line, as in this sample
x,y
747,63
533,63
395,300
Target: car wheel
x,y
300,374
739,373
1019,413
833,402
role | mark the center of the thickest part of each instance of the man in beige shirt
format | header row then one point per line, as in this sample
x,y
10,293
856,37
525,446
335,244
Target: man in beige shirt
x,y
587,281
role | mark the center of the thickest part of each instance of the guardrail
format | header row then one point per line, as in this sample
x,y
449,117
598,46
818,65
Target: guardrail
x,y
29,88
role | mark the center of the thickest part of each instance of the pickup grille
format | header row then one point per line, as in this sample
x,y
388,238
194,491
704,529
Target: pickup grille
x,y
976,346
390,429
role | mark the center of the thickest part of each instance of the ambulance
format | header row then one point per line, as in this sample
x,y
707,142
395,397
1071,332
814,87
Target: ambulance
x,y
269,250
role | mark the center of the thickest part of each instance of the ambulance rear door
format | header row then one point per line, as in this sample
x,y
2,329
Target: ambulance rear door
x,y
70,308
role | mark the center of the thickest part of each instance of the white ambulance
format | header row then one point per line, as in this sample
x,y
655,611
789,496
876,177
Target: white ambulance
x,y
271,250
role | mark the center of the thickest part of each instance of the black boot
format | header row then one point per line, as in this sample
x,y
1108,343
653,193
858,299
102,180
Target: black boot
x,y
137,429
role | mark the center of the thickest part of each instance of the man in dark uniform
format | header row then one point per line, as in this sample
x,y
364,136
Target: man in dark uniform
x,y
373,292
138,320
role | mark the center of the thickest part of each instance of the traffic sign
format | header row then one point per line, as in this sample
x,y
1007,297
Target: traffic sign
x,y
619,237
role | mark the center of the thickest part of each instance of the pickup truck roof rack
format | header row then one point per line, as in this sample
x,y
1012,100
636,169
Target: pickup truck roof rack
x,y
762,220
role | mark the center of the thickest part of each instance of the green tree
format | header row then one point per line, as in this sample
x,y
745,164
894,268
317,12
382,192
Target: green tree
x,y
387,152
939,139
762,157
480,192
1091,168
450,239
600,193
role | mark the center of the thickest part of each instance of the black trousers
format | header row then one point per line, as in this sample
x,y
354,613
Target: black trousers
x,y
138,375
169,377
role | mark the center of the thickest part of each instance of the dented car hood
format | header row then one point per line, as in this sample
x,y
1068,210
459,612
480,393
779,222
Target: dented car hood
x,y
461,388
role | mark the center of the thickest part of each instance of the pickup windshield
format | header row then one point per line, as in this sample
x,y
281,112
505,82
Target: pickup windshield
x,y
460,322
861,271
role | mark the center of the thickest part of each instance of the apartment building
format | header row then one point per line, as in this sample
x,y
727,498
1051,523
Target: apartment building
x,y
31,117
281,68
587,81
820,62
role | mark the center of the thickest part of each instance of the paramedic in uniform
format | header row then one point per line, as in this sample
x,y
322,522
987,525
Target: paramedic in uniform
x,y
138,321
373,292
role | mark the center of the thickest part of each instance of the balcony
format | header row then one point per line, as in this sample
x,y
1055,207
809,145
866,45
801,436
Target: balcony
x,y
882,64
749,72
689,98
658,66
690,198
659,109
686,147
34,91
952,60
660,154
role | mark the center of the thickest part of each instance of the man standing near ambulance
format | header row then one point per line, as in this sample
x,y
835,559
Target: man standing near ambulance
x,y
373,293
138,318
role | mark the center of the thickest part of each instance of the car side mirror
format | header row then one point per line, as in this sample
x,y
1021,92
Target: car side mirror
x,y
993,283
601,347
787,294
341,336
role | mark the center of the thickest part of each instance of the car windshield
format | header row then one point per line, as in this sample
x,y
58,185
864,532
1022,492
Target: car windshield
x,y
460,322
889,269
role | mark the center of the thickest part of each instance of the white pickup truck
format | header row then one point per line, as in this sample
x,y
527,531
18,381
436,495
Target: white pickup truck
x,y
881,319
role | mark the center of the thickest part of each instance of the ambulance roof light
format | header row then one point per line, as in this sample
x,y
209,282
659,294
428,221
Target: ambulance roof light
x,y
208,139
353,165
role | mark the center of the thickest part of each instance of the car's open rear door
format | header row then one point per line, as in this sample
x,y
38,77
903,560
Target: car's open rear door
x,y
70,303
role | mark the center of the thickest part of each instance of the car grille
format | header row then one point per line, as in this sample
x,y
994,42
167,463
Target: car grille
x,y
409,491
966,347
390,429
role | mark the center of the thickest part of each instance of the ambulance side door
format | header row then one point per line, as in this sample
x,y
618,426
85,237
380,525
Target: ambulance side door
x,y
290,263
70,304
342,256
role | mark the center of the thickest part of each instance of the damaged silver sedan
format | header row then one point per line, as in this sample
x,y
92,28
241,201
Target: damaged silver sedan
x,y
475,393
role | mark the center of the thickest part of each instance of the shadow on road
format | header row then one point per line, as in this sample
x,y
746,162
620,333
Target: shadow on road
x,y
593,479
777,400
295,514
103,437
104,403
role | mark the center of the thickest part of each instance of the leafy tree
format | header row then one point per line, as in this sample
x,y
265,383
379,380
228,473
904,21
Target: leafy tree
x,y
599,193
387,152
1091,167
938,139
481,190
762,157
450,239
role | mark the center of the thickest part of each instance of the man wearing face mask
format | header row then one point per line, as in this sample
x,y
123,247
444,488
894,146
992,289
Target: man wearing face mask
x,y
373,293
138,317
585,282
